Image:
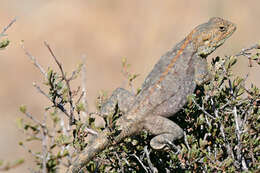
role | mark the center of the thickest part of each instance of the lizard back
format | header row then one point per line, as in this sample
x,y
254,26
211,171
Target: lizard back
x,y
168,79
173,77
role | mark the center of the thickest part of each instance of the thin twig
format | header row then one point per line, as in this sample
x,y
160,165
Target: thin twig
x,y
80,97
228,146
44,144
244,52
33,59
41,91
238,133
154,169
238,124
31,152
33,119
186,140
58,105
71,115
140,162
84,90
6,28
91,131
119,162
202,109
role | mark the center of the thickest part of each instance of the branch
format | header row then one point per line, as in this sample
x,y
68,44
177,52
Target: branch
x,y
72,118
34,61
244,52
154,169
84,90
202,109
6,28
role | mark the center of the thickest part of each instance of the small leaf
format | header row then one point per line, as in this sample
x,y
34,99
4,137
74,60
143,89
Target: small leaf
x,y
124,61
49,74
233,60
18,162
258,45
4,43
80,107
240,91
65,153
23,109
19,123
254,57
33,138
134,76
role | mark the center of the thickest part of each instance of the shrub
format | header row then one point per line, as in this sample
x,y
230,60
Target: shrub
x,y
220,120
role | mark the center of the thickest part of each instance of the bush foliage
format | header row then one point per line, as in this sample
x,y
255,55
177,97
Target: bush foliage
x,y
220,120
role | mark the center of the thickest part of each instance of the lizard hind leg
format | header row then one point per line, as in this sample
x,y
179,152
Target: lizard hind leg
x,y
165,130
121,98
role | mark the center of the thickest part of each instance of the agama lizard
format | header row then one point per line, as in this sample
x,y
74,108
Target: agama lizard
x,y
164,91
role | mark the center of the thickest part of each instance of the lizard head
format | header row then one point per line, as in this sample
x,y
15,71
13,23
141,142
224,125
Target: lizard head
x,y
209,36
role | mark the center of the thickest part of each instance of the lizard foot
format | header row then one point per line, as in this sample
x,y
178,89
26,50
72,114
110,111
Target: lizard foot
x,y
160,141
165,130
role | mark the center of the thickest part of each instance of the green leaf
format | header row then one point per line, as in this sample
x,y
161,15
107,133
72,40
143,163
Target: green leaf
x,y
33,138
23,109
203,143
63,140
18,162
124,61
233,60
19,123
240,91
201,119
4,43
255,57
80,107
132,77
49,73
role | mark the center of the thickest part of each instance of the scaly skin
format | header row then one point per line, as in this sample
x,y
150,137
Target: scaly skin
x,y
164,91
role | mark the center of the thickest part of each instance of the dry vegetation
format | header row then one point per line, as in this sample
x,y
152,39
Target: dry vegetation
x,y
221,123
221,119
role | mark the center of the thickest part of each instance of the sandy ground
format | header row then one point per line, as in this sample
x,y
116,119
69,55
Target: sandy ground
x,y
105,31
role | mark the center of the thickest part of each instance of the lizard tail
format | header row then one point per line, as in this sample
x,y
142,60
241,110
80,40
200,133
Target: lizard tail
x,y
101,142
93,148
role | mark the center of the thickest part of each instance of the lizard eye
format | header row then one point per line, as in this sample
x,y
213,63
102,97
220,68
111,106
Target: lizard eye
x,y
222,28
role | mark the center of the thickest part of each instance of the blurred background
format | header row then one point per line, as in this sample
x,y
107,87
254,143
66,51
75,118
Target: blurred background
x,y
104,31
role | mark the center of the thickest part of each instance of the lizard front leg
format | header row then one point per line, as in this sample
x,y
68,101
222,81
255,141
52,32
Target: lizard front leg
x,y
202,74
121,98
124,100
165,129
